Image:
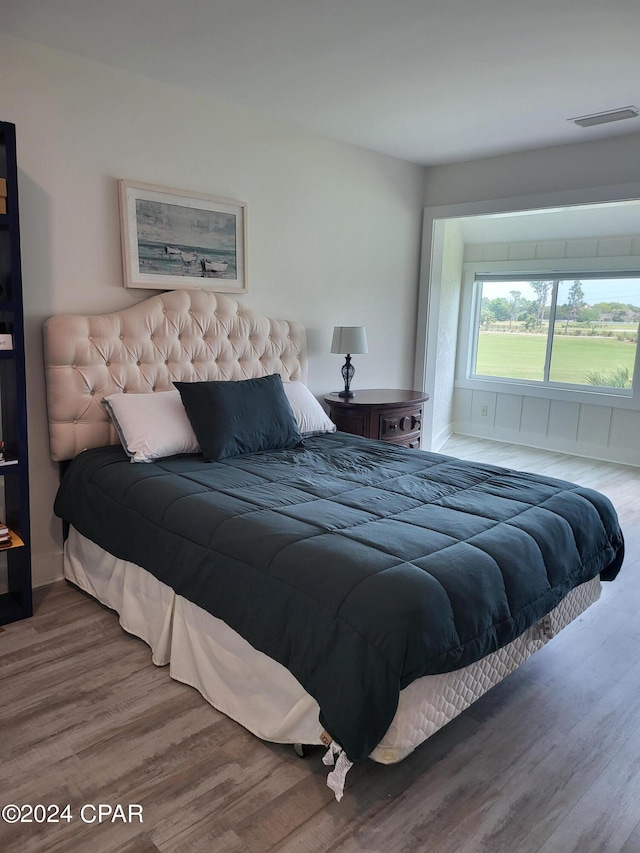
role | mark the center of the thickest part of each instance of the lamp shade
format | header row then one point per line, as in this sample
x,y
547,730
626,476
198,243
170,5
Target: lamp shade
x,y
349,339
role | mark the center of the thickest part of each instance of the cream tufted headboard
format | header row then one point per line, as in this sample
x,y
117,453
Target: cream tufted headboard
x,y
180,335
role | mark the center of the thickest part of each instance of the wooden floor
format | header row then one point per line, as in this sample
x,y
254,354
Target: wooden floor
x,y
548,761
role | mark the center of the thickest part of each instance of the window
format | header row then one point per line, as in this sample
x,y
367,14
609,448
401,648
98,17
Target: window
x,y
578,331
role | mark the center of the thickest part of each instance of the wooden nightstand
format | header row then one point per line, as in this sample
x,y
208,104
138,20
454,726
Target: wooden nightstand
x,y
385,413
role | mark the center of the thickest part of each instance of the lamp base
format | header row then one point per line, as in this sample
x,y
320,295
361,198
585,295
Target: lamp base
x,y
347,374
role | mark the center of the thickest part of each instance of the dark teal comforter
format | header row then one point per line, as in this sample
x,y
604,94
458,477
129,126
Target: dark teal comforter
x,y
358,565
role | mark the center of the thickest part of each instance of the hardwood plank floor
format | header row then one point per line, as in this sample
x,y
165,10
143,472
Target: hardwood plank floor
x,y
547,762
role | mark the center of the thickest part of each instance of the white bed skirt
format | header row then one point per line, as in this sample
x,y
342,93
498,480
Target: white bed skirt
x,y
260,693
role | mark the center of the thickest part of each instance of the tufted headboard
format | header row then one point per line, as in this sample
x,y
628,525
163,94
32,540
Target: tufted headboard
x,y
186,335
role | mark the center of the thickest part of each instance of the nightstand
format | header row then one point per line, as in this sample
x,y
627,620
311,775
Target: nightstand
x,y
388,414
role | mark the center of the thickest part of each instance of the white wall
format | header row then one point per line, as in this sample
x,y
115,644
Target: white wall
x,y
448,311
601,163
333,230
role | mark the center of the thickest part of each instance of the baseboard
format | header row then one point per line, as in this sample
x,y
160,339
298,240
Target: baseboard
x,y
441,438
46,568
621,456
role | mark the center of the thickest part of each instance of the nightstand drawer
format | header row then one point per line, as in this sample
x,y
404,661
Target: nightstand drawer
x,y
396,427
355,423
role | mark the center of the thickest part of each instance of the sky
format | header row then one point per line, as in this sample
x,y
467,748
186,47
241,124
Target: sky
x,y
626,290
159,222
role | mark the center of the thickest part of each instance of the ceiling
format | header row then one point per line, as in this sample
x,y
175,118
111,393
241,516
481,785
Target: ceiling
x,y
428,81
606,219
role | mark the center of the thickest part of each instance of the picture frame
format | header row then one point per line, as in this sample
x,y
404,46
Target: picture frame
x,y
175,239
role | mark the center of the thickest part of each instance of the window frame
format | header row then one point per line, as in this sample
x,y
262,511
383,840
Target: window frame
x,y
529,271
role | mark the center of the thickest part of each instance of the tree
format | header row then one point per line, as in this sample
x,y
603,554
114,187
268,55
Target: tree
x,y
575,301
541,289
530,315
487,317
514,304
588,315
500,308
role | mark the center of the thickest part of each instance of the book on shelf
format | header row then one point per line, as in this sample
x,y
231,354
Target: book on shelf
x,y
6,540
4,459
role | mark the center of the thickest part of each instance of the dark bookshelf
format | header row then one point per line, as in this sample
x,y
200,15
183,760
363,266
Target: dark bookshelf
x,y
16,602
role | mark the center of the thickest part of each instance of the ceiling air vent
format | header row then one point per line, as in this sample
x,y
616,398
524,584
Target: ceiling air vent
x,y
605,117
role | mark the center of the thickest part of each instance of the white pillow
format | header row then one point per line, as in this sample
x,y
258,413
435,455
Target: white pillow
x,y
151,425
311,417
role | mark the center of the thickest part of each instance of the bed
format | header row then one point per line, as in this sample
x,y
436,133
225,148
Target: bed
x,y
318,589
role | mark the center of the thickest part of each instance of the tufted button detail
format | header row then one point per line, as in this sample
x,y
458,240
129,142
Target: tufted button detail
x,y
121,337
166,361
108,363
90,337
75,366
138,363
92,393
75,421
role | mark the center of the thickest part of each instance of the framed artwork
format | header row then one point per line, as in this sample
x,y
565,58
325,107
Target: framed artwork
x,y
174,239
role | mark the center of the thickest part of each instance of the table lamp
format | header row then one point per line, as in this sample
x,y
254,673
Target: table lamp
x,y
348,340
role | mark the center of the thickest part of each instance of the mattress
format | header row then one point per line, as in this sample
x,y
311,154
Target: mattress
x,y
261,694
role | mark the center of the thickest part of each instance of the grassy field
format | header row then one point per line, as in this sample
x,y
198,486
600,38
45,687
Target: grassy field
x,y
521,356
515,326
